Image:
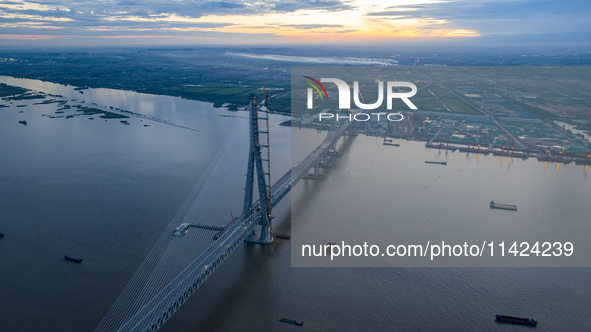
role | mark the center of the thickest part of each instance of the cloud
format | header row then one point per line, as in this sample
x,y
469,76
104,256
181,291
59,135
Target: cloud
x,y
508,17
299,20
319,60
387,13
28,37
131,15
311,26
294,5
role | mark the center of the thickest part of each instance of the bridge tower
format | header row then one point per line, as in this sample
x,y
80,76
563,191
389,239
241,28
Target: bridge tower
x,y
255,165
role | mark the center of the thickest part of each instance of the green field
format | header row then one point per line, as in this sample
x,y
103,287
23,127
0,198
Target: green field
x,y
433,105
437,90
542,114
459,106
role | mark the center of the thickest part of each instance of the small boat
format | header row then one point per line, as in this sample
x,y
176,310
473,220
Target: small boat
x,y
23,122
291,321
516,320
1,235
283,236
73,259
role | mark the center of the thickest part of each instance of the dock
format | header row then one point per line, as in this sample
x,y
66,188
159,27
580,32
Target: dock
x,y
472,150
521,155
441,147
208,227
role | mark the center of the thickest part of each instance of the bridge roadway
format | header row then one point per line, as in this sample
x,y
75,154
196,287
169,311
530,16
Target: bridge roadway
x,y
160,308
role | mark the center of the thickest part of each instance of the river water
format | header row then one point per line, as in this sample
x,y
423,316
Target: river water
x,y
105,191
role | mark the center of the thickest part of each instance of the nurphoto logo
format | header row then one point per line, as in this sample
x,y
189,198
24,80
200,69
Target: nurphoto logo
x,y
345,97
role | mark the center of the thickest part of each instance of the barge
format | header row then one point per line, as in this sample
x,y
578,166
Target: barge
x,y
494,205
516,320
391,144
73,259
291,321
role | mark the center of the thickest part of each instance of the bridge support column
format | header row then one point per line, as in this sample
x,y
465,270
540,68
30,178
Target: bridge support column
x,y
316,175
255,168
326,161
264,237
333,151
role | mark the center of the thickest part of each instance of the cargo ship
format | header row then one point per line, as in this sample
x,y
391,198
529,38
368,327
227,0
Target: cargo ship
x,y
436,162
516,320
494,205
291,321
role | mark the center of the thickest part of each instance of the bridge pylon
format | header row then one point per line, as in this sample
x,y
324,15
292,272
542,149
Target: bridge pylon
x,y
255,165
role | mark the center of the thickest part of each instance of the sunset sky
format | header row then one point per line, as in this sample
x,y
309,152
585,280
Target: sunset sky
x,y
178,22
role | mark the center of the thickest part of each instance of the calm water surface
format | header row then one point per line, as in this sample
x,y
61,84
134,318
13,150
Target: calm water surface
x,y
106,191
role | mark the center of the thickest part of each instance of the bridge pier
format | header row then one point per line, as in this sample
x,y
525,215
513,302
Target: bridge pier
x,y
264,237
316,175
333,151
326,161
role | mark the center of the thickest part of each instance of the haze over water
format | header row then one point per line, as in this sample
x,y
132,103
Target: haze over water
x,y
105,191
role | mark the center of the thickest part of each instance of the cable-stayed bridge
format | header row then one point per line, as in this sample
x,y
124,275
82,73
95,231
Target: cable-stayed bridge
x,y
152,307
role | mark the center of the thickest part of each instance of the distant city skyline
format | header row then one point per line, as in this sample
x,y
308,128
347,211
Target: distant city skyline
x,y
170,22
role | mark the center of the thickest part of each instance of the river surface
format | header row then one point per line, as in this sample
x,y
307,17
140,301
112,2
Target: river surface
x,y
106,191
